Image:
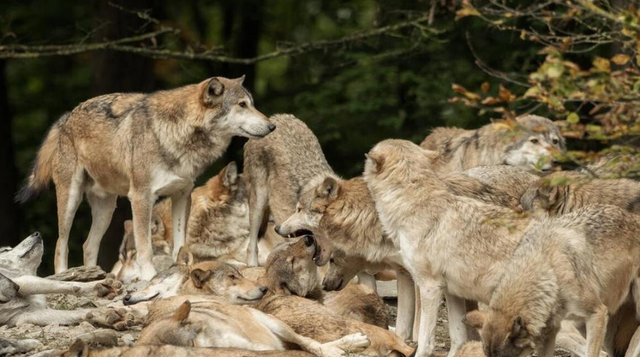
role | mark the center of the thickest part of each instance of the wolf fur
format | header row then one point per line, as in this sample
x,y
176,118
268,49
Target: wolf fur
x,y
529,142
280,167
142,146
582,266
445,241
196,321
290,270
22,293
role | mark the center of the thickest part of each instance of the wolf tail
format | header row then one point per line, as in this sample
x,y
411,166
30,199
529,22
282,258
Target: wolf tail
x,y
42,171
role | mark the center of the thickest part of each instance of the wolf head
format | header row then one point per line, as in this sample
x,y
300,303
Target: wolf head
x,y
535,142
502,335
230,108
166,283
8,289
180,329
290,268
24,258
225,281
342,269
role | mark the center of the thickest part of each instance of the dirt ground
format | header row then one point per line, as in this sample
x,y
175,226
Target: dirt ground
x,y
55,336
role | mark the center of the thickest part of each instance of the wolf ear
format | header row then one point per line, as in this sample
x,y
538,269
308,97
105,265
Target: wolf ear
x,y
328,188
376,160
474,319
230,176
199,277
78,349
183,312
185,257
518,330
240,80
213,91
549,194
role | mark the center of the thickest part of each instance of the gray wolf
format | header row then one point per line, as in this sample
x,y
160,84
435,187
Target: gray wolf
x,y
212,278
564,191
312,319
444,240
280,167
197,321
14,347
529,141
570,267
341,216
80,349
22,296
142,146
290,270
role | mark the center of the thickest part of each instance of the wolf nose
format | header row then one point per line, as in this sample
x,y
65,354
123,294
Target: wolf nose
x,y
272,127
127,299
277,229
263,289
36,234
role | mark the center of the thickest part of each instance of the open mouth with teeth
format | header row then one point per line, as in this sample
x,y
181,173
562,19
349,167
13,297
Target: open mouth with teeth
x,y
300,233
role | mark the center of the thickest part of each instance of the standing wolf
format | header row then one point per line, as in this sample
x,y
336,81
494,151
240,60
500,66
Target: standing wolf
x,y
528,142
279,169
141,146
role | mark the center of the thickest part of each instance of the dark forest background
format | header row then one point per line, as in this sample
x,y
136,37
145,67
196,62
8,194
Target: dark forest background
x,y
352,88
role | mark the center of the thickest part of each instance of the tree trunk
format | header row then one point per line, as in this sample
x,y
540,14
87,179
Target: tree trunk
x,y
9,210
120,72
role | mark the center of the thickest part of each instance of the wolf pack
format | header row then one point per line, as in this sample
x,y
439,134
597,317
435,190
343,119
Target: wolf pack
x,y
284,259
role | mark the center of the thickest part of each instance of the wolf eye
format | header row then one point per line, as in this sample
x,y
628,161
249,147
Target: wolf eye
x,y
555,141
298,209
242,104
534,141
233,277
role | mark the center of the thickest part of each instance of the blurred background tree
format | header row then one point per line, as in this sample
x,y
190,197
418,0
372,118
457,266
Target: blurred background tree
x,y
356,71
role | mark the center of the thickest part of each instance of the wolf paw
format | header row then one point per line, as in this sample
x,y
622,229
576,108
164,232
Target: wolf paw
x,y
108,288
117,319
352,343
329,350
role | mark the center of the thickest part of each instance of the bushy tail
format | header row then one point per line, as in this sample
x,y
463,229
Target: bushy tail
x,y
42,171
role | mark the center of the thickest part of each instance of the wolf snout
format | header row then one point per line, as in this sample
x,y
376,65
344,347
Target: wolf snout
x,y
263,289
278,230
127,300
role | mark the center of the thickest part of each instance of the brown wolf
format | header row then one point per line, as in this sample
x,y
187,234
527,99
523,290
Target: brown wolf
x,y
197,321
80,349
279,168
444,240
290,270
142,146
529,142
582,266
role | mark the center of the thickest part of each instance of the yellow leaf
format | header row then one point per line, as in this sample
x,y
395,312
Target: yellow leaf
x,y
485,87
505,95
532,92
554,71
466,10
462,90
620,59
573,118
602,65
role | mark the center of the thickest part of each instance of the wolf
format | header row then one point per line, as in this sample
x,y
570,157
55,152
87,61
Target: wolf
x,y
581,266
22,295
142,146
529,141
197,321
291,270
81,349
447,242
214,279
562,192
15,347
280,167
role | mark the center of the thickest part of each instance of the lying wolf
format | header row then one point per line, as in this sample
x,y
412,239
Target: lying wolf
x,y
529,142
197,321
290,270
22,293
142,146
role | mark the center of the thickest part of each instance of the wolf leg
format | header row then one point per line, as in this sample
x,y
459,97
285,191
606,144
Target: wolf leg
x,y
68,196
258,197
596,328
180,209
33,285
48,316
141,207
101,212
430,297
549,346
406,304
634,345
456,310
368,280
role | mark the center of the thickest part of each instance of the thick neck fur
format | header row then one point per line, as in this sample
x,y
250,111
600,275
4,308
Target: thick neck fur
x,y
352,222
191,137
